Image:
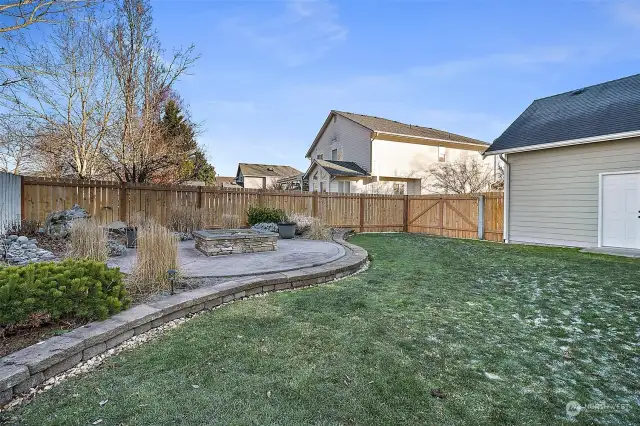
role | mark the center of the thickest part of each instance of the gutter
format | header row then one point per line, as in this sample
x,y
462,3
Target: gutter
x,y
507,190
379,133
569,142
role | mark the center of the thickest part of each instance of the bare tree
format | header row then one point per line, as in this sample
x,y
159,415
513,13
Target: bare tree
x,y
67,94
15,147
19,14
144,81
458,177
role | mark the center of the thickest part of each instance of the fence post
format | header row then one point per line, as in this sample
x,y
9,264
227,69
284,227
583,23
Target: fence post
x,y
405,215
260,200
123,202
200,195
23,201
481,217
441,214
361,213
314,204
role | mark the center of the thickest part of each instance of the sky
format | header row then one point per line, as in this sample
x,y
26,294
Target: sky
x,y
270,71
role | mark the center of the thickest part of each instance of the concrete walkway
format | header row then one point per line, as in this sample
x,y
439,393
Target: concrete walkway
x,y
291,254
614,251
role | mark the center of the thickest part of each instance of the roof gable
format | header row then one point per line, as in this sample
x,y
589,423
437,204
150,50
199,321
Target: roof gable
x,y
604,109
391,127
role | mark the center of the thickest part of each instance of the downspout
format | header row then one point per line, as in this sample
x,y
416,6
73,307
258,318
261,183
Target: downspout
x,y
507,188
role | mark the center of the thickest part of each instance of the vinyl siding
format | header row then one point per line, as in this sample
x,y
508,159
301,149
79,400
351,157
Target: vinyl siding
x,y
554,192
352,139
399,159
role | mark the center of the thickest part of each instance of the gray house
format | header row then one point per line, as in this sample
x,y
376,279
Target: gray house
x,y
572,168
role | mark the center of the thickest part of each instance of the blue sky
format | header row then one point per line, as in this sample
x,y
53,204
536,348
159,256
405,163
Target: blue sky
x,y
270,71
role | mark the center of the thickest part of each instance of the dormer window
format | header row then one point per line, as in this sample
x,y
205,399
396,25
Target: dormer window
x,y
334,154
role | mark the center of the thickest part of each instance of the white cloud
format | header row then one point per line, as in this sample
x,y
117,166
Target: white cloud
x,y
302,32
452,68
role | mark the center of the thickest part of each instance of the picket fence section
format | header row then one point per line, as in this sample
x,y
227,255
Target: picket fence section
x,y
459,216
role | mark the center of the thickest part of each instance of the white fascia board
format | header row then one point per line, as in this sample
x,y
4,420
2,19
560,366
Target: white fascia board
x,y
378,133
571,142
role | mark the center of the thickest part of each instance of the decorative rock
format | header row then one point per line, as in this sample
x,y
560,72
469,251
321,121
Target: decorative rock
x,y
266,226
58,224
116,248
116,226
22,250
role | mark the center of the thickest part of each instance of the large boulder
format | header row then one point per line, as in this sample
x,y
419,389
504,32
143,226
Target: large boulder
x,y
58,224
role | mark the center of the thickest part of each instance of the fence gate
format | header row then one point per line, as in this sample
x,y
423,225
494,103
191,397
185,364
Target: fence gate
x,y
450,216
10,200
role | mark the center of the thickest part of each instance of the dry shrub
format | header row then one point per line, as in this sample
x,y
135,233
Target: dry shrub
x,y
156,254
230,221
318,230
302,221
185,219
88,241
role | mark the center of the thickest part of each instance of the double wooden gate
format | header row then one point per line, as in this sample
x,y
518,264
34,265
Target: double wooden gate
x,y
463,216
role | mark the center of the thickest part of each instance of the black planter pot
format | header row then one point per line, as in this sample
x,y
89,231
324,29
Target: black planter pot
x,y
132,237
286,230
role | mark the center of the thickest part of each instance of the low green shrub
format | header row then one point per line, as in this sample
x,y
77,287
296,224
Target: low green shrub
x,y
70,289
264,215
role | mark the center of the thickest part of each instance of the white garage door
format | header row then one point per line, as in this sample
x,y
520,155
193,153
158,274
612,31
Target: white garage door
x,y
621,210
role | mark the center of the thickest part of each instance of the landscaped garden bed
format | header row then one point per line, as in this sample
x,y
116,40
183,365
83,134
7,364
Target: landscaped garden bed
x,y
437,331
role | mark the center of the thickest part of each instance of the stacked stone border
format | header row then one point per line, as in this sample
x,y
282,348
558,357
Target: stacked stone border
x,y
31,366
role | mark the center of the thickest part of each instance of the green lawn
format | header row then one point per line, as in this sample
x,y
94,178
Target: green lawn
x,y
508,334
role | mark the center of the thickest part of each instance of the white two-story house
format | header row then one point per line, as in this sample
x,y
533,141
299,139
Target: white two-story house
x,y
355,153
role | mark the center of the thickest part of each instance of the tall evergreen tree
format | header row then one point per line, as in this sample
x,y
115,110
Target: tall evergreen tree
x,y
181,131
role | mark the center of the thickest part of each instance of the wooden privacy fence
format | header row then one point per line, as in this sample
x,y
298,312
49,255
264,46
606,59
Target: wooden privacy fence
x,y
463,216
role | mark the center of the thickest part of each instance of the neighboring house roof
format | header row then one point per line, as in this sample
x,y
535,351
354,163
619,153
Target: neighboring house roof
x,y
384,126
579,116
267,170
338,168
222,179
226,181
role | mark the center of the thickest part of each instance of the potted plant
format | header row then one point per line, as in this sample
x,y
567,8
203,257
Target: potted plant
x,y
286,230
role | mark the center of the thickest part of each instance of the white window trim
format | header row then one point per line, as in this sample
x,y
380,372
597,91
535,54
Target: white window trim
x,y
600,206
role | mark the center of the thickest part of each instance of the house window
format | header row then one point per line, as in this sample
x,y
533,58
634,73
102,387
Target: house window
x,y
313,187
319,156
321,186
334,154
344,187
442,154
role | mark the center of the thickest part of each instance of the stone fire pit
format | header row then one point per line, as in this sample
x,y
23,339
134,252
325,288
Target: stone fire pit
x,y
233,241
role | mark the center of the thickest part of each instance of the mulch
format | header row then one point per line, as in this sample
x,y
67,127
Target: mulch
x,y
19,337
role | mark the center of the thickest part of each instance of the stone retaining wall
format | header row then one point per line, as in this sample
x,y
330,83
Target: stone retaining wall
x,y
215,243
31,366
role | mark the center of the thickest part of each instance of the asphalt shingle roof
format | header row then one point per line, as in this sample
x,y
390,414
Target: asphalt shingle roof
x,y
267,170
603,109
389,126
342,168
